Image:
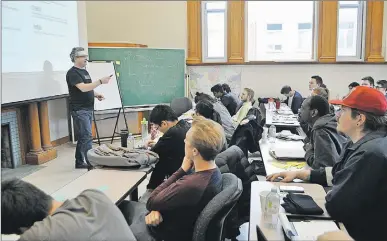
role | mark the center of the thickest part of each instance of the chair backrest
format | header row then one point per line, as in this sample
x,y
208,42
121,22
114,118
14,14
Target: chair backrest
x,y
209,225
181,105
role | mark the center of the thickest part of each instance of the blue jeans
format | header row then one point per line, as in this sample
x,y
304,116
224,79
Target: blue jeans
x,y
83,122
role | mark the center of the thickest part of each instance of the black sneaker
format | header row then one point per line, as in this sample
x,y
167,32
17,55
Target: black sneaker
x,y
81,165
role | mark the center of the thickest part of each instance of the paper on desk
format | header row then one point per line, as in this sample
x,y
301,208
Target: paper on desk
x,y
286,165
312,229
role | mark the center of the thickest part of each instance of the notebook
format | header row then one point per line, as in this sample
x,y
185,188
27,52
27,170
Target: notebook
x,y
283,153
312,229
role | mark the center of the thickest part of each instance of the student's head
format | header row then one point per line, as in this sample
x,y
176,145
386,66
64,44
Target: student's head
x,y
381,85
206,109
313,108
362,111
247,95
22,204
78,56
226,88
204,140
163,117
316,81
217,90
368,81
352,86
321,92
203,96
286,91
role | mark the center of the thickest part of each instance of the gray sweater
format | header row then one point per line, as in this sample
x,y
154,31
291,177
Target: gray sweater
x,y
227,123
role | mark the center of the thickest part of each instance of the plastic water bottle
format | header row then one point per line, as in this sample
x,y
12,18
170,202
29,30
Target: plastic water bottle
x,y
144,130
272,134
272,205
130,141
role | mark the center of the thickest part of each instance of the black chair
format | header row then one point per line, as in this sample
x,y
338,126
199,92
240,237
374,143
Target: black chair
x,y
209,225
181,105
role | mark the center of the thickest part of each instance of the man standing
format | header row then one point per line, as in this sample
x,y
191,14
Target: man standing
x,y
381,85
81,91
227,100
294,99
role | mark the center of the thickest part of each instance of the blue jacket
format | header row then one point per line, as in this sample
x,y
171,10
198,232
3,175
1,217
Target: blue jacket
x,y
297,102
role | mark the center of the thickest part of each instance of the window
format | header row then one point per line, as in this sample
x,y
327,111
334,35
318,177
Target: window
x,y
350,29
280,30
214,30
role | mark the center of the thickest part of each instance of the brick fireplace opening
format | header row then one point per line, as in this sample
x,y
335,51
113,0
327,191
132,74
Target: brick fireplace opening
x,y
6,147
10,140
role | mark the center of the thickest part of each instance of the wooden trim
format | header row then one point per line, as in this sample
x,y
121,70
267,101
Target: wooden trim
x,y
287,63
118,45
194,31
327,31
33,115
44,125
60,141
374,31
236,31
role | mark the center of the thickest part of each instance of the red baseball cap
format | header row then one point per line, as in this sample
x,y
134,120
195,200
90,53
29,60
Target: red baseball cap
x,y
366,99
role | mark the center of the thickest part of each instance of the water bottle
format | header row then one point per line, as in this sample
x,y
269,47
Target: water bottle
x,y
272,134
130,141
272,205
144,130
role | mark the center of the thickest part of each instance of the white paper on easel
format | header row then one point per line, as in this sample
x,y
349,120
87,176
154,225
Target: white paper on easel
x,y
110,91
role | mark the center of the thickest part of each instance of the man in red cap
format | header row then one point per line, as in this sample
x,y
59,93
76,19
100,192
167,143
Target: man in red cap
x,y
359,179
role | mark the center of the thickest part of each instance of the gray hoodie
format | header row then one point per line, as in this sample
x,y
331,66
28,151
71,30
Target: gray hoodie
x,y
325,144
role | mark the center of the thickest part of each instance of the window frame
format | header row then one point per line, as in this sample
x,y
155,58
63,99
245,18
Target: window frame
x,y
315,37
204,12
361,32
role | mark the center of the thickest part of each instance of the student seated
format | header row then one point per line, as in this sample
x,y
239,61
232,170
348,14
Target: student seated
x,y
28,211
359,194
293,100
227,89
316,81
368,81
176,204
247,99
381,85
225,116
325,145
352,86
227,100
324,92
170,147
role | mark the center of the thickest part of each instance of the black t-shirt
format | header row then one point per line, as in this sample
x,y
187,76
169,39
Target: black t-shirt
x,y
79,100
230,103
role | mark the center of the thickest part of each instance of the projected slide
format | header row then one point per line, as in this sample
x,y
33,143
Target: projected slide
x,y
37,37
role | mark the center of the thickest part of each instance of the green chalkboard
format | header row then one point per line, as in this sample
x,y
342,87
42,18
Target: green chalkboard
x,y
146,76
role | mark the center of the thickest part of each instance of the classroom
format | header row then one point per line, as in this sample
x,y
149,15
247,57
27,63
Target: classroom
x,y
194,120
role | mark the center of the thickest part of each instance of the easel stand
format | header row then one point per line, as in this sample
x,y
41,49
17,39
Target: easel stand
x,y
115,127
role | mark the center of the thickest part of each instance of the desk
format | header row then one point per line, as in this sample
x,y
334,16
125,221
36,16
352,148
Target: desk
x,y
116,184
270,114
315,191
268,159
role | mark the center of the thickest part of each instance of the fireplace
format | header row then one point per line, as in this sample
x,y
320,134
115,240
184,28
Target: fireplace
x,y
10,140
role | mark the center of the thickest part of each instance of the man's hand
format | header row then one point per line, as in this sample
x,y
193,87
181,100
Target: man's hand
x,y
289,176
106,79
334,236
154,218
100,97
187,164
150,143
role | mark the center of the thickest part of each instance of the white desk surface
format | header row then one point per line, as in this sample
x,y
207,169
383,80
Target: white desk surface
x,y
268,159
271,113
115,184
315,191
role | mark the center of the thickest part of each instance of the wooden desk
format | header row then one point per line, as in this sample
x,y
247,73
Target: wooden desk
x,y
116,184
268,159
315,191
270,113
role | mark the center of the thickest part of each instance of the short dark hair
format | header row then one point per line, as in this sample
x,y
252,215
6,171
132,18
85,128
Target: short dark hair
x,y
373,122
353,85
162,113
22,204
382,83
226,88
319,81
206,109
319,103
286,89
202,96
217,88
369,79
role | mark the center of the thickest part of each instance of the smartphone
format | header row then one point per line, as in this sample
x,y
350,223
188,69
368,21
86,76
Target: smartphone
x,y
292,189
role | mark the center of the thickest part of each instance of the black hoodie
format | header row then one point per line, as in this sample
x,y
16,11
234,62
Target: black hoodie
x,y
325,144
